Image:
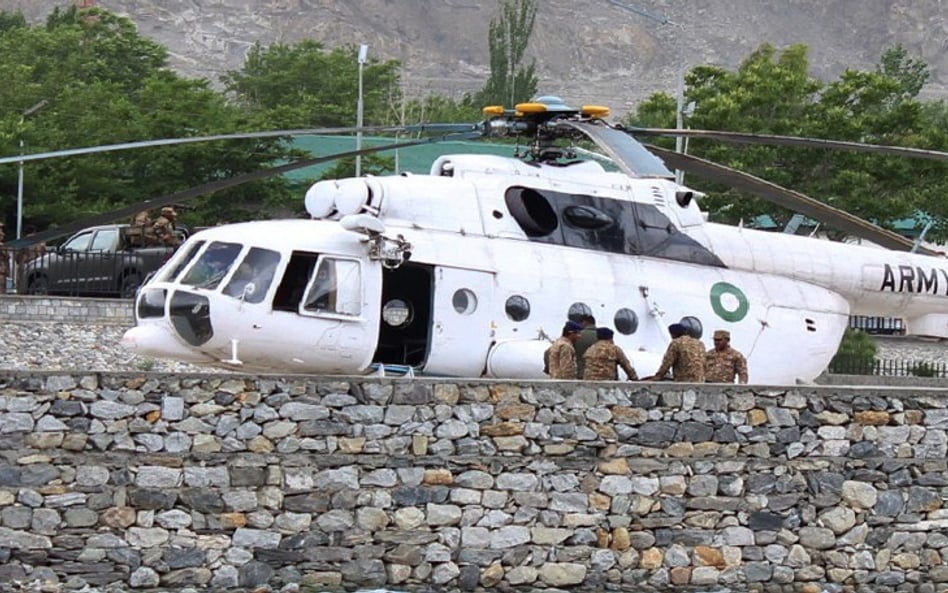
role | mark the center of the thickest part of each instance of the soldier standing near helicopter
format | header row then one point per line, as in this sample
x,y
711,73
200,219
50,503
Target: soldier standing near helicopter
x,y
684,357
722,363
562,354
602,359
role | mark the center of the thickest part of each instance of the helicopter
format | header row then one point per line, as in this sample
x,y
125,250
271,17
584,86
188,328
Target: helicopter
x,y
472,269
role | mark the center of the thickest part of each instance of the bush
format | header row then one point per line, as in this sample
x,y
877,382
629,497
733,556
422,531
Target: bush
x,y
923,369
856,354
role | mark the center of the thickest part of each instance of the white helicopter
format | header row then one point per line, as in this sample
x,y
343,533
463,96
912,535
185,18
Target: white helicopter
x,y
470,270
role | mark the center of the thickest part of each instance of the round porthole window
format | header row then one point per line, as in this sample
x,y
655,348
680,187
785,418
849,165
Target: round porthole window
x,y
626,321
397,313
693,325
517,308
577,311
464,301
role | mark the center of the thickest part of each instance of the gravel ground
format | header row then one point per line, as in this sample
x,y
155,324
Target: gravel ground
x,y
50,346
72,346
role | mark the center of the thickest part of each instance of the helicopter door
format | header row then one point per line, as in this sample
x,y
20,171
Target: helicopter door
x,y
322,307
461,329
406,315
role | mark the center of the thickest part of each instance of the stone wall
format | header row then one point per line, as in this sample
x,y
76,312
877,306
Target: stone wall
x,y
208,481
60,309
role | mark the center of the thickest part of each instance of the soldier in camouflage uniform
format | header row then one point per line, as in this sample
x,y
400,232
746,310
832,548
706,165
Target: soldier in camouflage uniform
x,y
684,356
562,355
164,227
601,360
722,363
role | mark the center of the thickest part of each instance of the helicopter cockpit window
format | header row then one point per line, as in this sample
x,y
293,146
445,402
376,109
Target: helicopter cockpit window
x,y
336,288
213,265
181,261
254,275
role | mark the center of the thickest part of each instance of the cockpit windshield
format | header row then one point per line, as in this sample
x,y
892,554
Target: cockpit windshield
x,y
254,275
213,265
180,261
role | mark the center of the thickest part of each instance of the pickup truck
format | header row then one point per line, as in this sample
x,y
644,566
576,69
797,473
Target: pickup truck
x,y
97,261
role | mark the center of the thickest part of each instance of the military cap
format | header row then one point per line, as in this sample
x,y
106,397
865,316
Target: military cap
x,y
677,329
604,333
572,326
722,334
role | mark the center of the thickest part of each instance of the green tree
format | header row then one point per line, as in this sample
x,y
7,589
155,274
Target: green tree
x,y
511,81
103,84
773,92
307,85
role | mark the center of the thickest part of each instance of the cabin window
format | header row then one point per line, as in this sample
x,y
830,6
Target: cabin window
x,y
397,313
626,321
693,326
254,275
182,260
213,265
577,311
464,301
336,288
517,308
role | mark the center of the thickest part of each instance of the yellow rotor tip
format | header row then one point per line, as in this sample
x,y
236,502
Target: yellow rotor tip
x,y
531,107
594,111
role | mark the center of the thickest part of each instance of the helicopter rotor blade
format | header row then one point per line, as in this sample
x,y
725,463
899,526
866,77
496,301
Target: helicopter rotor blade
x,y
214,186
789,199
415,128
794,141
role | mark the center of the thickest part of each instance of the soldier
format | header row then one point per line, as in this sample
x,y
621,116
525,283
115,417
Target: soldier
x,y
164,227
587,337
562,355
139,232
722,363
684,356
603,358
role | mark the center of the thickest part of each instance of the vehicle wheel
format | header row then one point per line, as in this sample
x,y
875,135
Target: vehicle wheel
x,y
129,285
37,285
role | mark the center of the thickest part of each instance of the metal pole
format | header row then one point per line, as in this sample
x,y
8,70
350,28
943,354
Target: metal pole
x,y
363,51
19,180
679,124
19,196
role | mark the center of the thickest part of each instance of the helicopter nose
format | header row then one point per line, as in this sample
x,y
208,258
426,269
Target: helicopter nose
x,y
154,340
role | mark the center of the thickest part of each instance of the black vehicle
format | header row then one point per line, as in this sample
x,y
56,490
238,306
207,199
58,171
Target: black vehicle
x,y
98,261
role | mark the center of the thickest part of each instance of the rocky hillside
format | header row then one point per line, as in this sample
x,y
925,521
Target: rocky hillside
x,y
598,51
